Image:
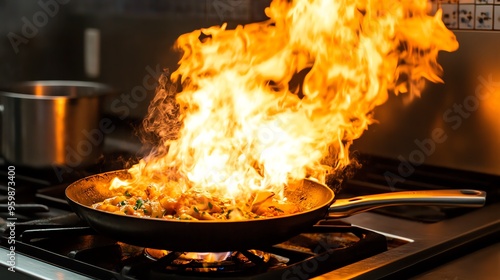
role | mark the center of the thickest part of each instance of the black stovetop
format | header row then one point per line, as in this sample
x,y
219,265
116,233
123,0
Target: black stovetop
x,y
66,241
405,236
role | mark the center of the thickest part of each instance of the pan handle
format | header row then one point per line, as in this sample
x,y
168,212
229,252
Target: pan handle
x,y
457,198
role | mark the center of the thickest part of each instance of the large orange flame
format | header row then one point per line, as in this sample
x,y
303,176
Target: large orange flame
x,y
245,127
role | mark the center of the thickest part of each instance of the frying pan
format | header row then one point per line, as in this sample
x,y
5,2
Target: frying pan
x,y
218,236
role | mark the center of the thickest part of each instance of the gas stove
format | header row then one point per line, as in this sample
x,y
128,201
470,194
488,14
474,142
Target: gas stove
x,y
51,242
66,241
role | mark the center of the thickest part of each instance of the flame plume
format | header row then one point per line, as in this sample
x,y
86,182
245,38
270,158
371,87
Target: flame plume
x,y
245,128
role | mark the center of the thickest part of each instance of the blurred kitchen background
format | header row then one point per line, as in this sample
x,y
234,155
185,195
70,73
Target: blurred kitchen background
x,y
121,37
115,41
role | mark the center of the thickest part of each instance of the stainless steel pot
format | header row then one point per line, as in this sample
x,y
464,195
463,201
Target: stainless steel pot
x,y
52,123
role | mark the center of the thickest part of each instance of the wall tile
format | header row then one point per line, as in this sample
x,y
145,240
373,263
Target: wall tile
x,y
450,15
471,14
484,1
466,16
484,17
496,21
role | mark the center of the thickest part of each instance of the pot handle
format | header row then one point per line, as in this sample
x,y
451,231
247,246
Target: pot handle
x,y
457,198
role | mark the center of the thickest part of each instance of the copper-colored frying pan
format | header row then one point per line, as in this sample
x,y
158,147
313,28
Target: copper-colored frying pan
x,y
217,236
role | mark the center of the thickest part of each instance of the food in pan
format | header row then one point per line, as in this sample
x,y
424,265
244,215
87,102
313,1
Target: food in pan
x,y
194,205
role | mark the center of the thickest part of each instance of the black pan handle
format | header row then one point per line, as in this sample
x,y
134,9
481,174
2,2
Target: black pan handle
x,y
457,198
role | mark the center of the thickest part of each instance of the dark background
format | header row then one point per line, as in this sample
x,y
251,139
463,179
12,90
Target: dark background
x,y
133,34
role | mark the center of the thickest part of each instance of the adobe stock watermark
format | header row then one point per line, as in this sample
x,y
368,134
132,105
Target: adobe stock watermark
x,y
229,9
454,117
122,106
32,25
272,130
307,268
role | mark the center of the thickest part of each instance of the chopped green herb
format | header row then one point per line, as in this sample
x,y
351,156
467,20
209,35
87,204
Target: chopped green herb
x,y
145,211
123,202
127,194
138,204
210,205
196,209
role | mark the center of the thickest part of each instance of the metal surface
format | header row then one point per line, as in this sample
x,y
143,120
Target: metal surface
x,y
482,264
52,123
427,241
218,236
454,124
30,268
457,198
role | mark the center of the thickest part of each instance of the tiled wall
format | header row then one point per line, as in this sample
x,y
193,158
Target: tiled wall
x,y
470,14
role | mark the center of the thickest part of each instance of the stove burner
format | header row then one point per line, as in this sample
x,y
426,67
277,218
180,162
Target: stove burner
x,y
156,254
65,241
225,262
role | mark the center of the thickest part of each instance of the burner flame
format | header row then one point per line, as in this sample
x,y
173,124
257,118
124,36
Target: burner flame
x,y
203,257
207,257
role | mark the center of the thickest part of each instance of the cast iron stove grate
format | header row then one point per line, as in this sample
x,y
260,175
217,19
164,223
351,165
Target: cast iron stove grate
x,y
67,242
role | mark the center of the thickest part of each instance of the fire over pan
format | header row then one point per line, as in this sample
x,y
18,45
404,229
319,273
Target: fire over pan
x,y
216,236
